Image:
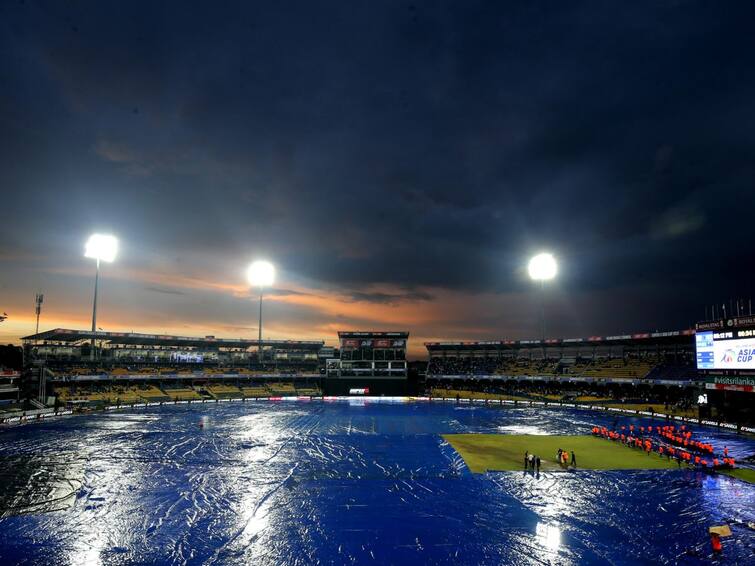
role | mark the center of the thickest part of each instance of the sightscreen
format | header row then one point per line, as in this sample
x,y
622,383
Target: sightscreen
x,y
726,349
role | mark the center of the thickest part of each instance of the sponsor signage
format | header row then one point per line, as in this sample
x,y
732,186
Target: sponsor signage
x,y
726,323
725,387
732,379
743,321
664,334
710,325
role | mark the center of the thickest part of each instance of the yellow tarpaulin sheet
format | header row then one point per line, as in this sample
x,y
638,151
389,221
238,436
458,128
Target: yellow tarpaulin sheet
x,y
723,531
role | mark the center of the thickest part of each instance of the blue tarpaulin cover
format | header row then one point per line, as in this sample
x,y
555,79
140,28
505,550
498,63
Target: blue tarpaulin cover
x,y
345,483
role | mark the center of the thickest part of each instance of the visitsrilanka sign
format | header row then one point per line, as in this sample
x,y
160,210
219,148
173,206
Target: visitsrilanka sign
x,y
744,383
733,379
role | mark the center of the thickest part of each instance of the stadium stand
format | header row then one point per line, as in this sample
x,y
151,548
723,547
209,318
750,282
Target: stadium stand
x,y
645,371
152,394
125,394
97,394
222,391
93,394
641,370
625,367
469,393
133,368
628,368
282,389
255,391
181,392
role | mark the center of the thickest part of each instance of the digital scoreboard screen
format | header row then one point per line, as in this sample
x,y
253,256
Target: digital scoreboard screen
x,y
726,349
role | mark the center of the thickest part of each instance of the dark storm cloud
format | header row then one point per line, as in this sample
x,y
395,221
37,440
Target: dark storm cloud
x,y
411,145
164,291
278,292
390,298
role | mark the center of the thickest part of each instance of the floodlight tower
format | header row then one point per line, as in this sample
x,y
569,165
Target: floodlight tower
x,y
261,274
542,268
38,298
101,247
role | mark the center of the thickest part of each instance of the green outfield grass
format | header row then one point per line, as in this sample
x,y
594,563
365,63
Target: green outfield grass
x,y
482,452
744,474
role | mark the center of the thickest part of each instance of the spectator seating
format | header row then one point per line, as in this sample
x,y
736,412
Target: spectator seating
x,y
152,394
618,368
282,389
255,391
627,367
309,391
222,391
174,391
182,393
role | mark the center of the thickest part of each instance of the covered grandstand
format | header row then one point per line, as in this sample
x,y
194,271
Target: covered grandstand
x,y
136,367
647,370
65,345
657,355
652,371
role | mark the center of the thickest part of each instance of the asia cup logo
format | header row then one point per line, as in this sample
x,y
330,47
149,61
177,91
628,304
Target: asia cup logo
x,y
728,356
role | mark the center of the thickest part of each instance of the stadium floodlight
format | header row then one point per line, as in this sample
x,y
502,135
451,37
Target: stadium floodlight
x,y
542,267
101,247
260,274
